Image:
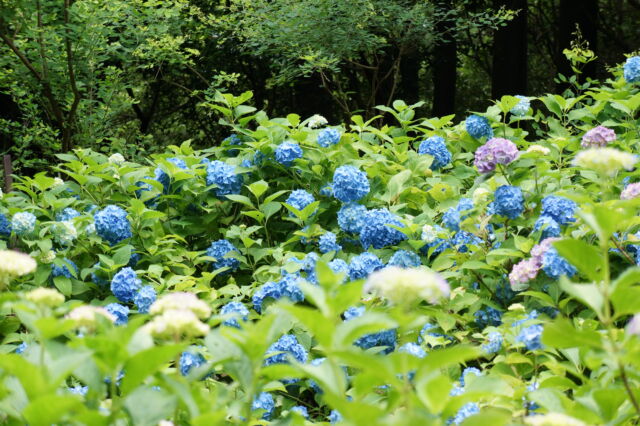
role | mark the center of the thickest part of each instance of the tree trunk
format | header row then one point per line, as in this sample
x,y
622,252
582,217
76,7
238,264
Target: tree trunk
x,y
509,73
409,87
583,13
444,64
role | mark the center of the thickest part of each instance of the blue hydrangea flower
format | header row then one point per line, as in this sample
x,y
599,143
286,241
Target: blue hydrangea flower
x,y
531,315
385,338
67,214
162,176
23,223
265,402
286,346
21,348
467,371
309,266
300,410
376,231
112,224
462,238
287,287
555,265
144,298
326,191
522,107
550,228
494,344
219,250
190,360
559,209
349,184
509,201
467,410
79,390
299,199
413,349
121,313
328,242
435,147
339,266
351,217
65,270
362,265
530,336
125,284
5,226
488,316
405,259
237,310
232,139
96,276
334,417
133,260
632,70
328,137
478,127
287,153
452,217
225,178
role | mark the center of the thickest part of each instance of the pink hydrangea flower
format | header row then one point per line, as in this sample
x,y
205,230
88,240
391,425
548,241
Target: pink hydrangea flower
x,y
495,151
598,137
523,272
631,191
538,251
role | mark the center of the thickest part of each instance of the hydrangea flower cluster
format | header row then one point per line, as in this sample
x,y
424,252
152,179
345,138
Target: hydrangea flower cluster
x,y
362,265
495,151
328,137
349,184
162,176
316,121
467,410
236,310
339,266
144,298
287,287
220,250
494,344
178,314
119,312
452,217
351,217
67,214
530,336
190,360
545,257
264,402
5,226
556,212
404,259
632,69
299,199
488,316
14,264
45,296
328,242
478,127
287,153
224,177
64,232
509,201
64,270
286,346
376,231
125,284
23,223
555,265
407,285
598,137
629,193
606,161
112,224
521,107
435,147
386,339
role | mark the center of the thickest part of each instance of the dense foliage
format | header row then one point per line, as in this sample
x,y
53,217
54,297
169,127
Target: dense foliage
x,y
420,273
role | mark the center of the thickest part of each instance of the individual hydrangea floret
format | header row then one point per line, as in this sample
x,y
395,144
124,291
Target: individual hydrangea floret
x,y
606,161
67,214
328,137
522,107
376,231
555,265
495,151
362,265
452,217
112,224
478,127
299,199
121,313
190,360
125,284
404,259
287,153
435,147
225,178
629,193
23,223
236,310
329,242
5,226
144,298
285,347
494,343
351,217
349,184
220,250
509,201
65,270
632,69
264,402
598,137
530,336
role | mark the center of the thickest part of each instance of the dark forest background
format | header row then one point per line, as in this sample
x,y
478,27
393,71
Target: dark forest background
x,y
134,76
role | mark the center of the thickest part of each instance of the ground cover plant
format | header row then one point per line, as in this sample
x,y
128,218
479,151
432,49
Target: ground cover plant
x,y
424,272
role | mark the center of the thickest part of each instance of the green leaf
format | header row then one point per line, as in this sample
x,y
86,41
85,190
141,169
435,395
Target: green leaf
x,y
433,390
63,284
586,258
589,294
51,409
258,188
145,363
148,406
122,255
562,334
241,199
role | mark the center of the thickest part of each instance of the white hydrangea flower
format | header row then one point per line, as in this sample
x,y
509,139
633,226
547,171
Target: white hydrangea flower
x,y
607,161
57,182
174,323
316,121
553,419
429,233
539,149
181,301
86,316
407,285
90,229
48,257
117,159
480,194
65,232
14,264
45,296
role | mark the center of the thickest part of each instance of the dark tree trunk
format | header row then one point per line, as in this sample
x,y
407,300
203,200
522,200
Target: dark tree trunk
x,y
583,13
509,73
409,87
444,64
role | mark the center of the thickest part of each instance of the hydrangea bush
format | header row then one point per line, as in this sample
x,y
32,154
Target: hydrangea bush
x,y
425,272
